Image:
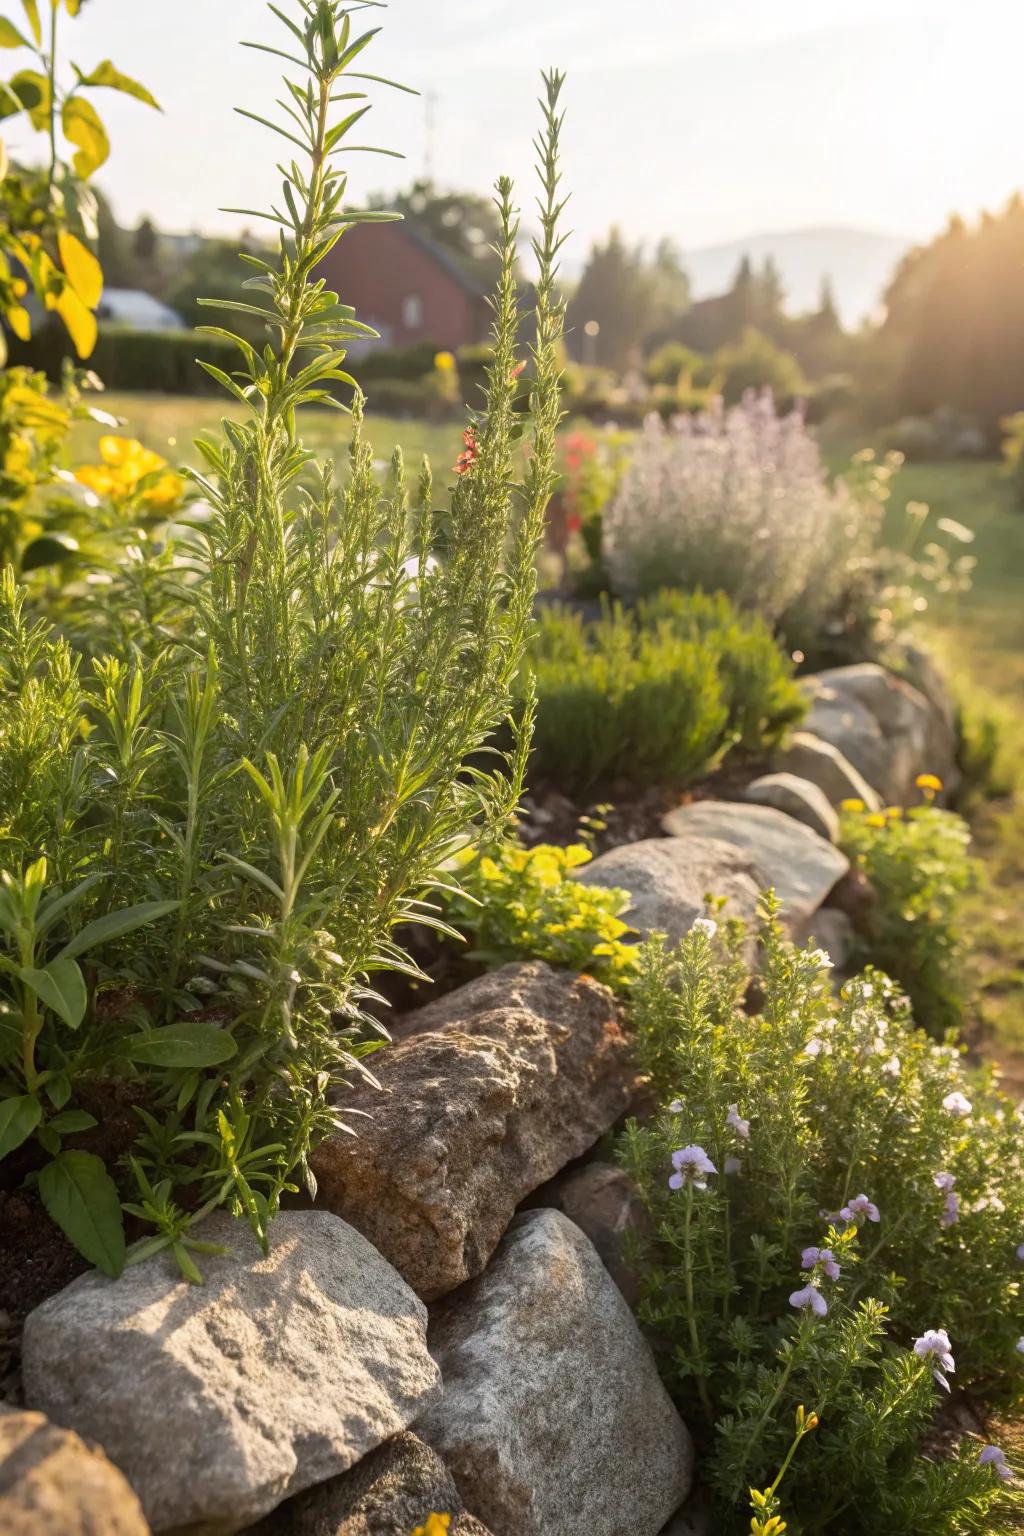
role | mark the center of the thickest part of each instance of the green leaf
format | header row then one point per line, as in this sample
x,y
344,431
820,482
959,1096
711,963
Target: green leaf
x,y
83,126
61,986
31,10
106,75
27,91
18,1119
190,1043
81,1197
48,549
115,925
72,1120
10,37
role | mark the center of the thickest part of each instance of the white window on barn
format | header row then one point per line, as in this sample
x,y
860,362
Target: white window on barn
x,y
412,311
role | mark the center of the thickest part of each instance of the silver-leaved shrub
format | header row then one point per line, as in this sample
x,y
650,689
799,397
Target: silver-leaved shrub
x,y
836,1226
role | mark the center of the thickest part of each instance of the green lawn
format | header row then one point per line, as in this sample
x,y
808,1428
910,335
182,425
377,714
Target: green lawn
x,y
982,641
169,423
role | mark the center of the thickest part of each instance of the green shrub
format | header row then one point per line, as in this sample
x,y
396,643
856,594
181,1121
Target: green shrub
x,y
825,1186
657,695
227,817
755,362
522,903
1013,452
160,362
919,867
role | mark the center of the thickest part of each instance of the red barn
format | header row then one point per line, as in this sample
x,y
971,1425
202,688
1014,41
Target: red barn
x,y
406,287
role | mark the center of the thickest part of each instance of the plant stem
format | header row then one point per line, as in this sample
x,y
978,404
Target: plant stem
x,y
52,76
702,1386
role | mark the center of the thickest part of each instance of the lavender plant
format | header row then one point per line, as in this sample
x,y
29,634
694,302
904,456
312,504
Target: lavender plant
x,y
837,1211
739,500
273,776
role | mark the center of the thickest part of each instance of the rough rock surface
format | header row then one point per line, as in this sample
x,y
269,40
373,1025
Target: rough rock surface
x,y
554,1420
884,727
389,1493
811,757
798,798
217,1401
801,866
668,880
605,1204
492,1091
53,1484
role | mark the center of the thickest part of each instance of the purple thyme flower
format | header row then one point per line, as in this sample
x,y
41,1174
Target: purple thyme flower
x,y
860,1205
810,1297
823,1256
1020,1345
738,1124
676,1107
957,1104
943,1181
733,1165
1020,1253
690,1163
934,1345
951,1210
992,1456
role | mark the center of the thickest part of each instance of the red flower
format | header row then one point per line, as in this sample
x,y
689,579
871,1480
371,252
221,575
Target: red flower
x,y
574,522
467,458
516,371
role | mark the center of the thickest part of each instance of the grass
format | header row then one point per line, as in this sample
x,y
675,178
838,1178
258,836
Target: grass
x,y
981,639
168,424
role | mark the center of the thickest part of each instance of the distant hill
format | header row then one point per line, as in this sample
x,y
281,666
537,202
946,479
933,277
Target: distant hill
x,y
858,261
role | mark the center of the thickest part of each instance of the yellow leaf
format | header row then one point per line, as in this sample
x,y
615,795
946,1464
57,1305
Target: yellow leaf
x,y
10,37
82,125
19,322
80,321
81,268
31,10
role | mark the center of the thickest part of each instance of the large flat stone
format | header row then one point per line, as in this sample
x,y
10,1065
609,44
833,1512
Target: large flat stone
x,y
883,726
795,797
554,1420
53,1484
669,881
811,757
491,1091
798,864
219,1400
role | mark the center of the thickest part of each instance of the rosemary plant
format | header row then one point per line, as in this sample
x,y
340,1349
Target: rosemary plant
x,y
287,763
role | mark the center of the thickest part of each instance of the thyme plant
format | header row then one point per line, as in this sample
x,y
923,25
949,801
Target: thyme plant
x,y
836,1226
274,773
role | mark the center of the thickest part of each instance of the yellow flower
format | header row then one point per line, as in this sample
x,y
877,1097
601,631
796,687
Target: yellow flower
x,y
126,464
876,819
852,805
437,1525
929,782
444,362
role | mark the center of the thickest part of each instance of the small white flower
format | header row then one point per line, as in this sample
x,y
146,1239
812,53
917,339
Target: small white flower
x,y
704,925
821,958
892,1067
934,1345
957,1104
736,1122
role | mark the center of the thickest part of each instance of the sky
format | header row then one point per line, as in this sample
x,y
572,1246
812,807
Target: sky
x,y
703,120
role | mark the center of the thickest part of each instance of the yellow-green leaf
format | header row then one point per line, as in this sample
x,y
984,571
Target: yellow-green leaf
x,y
82,125
20,322
31,10
10,37
79,320
28,91
81,268
74,6
105,74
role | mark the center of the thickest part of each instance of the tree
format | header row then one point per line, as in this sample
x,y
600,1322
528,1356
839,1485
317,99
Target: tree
x,y
755,362
629,297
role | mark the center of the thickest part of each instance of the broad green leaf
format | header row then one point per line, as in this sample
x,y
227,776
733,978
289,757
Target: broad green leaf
x,y
48,549
190,1043
27,91
31,9
10,37
79,321
72,1120
18,1119
115,925
83,126
81,268
61,986
106,75
82,1199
